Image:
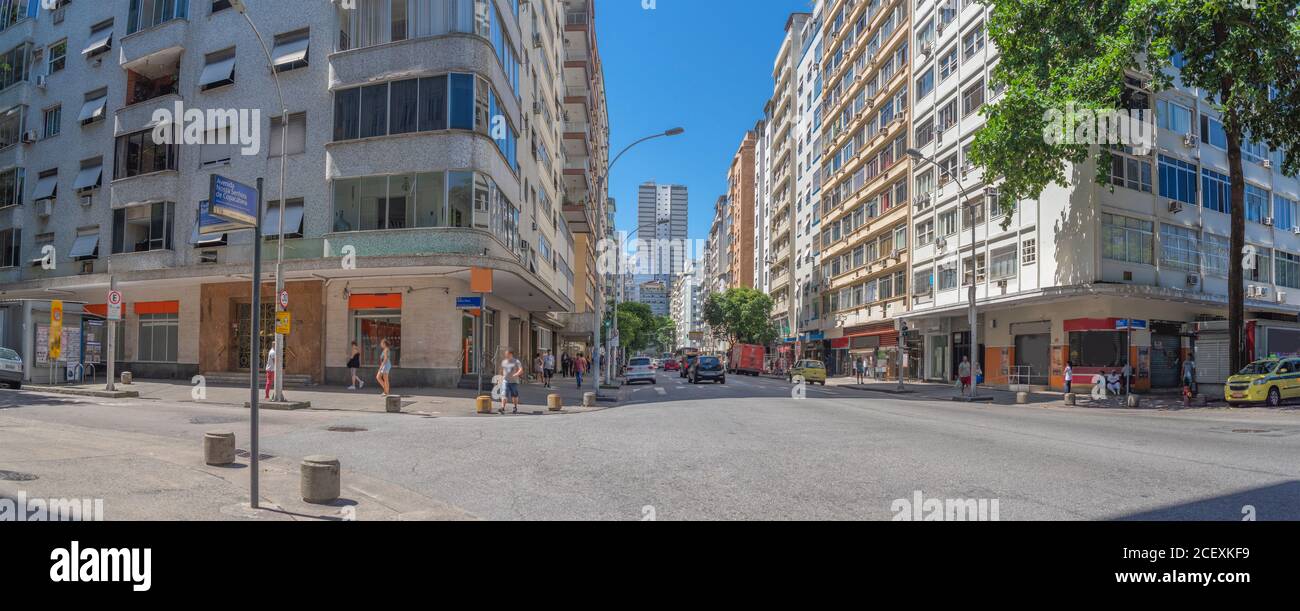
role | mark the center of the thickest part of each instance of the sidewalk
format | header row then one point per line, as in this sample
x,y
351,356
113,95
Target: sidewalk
x,y
440,402
941,392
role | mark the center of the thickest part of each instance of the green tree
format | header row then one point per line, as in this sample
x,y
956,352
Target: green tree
x,y
665,334
741,316
636,326
1242,54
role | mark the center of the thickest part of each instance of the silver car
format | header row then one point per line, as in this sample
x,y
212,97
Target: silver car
x,y
640,369
11,368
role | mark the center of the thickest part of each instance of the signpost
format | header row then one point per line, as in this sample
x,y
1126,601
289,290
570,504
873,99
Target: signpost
x,y
115,305
234,206
1130,326
283,322
284,300
480,281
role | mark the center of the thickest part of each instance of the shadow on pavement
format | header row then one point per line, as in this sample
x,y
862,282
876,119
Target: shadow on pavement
x,y
1278,502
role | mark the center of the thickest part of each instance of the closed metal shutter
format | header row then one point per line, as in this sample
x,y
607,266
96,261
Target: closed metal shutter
x,y
1034,352
1212,359
1165,365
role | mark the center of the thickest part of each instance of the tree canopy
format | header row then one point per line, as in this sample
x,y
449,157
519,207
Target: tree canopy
x,y
741,316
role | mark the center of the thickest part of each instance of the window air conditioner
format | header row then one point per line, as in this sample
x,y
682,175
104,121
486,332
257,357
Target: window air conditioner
x,y
1175,206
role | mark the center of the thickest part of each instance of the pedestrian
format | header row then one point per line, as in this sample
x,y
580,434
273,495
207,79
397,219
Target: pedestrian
x,y
354,366
548,368
385,368
1069,377
1189,373
978,374
580,367
538,366
963,373
1112,383
1127,376
860,370
512,371
565,364
270,371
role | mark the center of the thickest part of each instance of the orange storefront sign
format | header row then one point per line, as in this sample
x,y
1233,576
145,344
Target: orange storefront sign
x,y
378,301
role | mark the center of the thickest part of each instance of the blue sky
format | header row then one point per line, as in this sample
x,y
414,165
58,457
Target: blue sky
x,y
705,65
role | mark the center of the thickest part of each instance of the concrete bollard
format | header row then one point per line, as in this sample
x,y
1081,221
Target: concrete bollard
x,y
1070,399
218,448
126,378
589,399
554,403
484,404
321,479
1022,398
1134,401
393,404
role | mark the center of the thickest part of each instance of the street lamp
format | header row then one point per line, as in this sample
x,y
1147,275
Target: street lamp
x,y
240,7
974,331
607,371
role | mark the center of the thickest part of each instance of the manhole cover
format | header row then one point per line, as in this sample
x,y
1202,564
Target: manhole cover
x,y
14,476
247,454
346,429
215,420
1251,431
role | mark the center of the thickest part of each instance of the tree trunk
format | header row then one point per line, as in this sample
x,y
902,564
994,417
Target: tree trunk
x,y
1237,356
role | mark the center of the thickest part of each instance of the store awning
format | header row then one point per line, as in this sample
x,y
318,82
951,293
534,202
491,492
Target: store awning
x,y
100,41
46,188
217,71
92,109
88,178
85,246
290,52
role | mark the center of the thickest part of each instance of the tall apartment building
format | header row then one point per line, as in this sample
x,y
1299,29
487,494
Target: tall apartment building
x,y
687,305
782,176
424,138
865,177
740,198
661,221
656,294
763,199
808,153
1061,282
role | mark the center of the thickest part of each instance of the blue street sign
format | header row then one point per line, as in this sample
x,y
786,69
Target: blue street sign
x,y
211,225
1130,325
233,202
469,303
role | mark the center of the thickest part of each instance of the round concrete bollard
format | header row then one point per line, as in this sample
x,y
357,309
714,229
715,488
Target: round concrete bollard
x,y
393,404
320,479
1134,401
484,404
1022,398
589,399
126,377
1070,399
218,448
554,403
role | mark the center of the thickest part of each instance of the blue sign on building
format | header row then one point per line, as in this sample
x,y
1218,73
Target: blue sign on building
x,y
469,303
232,202
1130,325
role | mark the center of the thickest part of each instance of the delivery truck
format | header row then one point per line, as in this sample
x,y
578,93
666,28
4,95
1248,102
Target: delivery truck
x,y
746,359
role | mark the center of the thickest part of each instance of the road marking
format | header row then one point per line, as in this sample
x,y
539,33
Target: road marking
x,y
661,391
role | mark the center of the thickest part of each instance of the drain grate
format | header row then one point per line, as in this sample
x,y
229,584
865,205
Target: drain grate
x,y
346,429
14,476
247,454
216,420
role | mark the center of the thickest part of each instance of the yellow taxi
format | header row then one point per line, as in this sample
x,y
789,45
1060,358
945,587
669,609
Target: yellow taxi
x,y
812,372
1269,381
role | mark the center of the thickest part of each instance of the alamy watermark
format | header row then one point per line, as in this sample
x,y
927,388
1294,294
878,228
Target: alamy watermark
x,y
214,126
922,509
24,509
1108,127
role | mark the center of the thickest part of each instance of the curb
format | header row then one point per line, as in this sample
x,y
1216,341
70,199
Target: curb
x,y
78,392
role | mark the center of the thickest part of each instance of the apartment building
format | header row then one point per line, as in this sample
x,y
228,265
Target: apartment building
x,y
656,294
1134,271
763,200
687,306
781,178
808,153
740,197
424,138
661,222
865,177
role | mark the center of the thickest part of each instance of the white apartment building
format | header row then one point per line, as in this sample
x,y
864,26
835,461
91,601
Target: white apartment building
x,y
1069,272
392,156
808,152
687,306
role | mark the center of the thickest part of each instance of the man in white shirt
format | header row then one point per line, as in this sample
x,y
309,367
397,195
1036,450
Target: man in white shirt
x,y
512,371
270,372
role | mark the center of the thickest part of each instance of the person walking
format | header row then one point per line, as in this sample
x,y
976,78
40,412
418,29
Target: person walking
x,y
579,368
1189,373
385,368
270,371
512,371
963,373
548,368
354,367
1069,377
565,364
539,369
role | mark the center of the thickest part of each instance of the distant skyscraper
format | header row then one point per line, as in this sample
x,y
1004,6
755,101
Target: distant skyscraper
x,y
661,217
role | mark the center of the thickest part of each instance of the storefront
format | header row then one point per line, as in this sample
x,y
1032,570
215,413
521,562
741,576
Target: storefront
x,y
877,346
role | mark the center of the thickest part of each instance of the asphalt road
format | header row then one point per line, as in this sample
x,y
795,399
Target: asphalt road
x,y
752,449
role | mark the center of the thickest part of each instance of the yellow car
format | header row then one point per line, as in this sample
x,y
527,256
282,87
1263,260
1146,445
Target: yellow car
x,y
812,372
1270,381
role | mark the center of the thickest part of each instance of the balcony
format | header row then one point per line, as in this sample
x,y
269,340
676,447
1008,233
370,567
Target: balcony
x,y
161,43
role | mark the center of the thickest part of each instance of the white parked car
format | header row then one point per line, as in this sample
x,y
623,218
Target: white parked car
x,y
640,369
11,368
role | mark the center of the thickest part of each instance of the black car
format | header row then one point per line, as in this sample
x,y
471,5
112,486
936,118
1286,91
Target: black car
x,y
708,368
687,364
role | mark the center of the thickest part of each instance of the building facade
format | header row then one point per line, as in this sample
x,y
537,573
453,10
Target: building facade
x,y
421,143
661,223
808,153
740,198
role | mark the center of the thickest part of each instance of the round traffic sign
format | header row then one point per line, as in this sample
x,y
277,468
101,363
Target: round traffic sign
x,y
115,297
284,299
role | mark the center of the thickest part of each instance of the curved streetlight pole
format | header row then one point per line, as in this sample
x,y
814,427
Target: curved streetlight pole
x,y
239,6
608,371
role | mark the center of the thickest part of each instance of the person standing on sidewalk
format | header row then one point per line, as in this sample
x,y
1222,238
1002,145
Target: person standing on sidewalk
x,y
270,371
1069,377
385,368
512,371
579,368
539,367
963,373
564,365
548,368
354,366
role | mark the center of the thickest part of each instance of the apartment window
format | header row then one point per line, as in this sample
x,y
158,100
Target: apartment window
x,y
143,228
14,11
157,338
144,14
434,199
925,132
948,223
1286,212
1287,269
218,70
1029,252
1262,271
90,177
923,282
948,63
947,115
924,232
1127,239
1257,200
972,214
948,169
974,269
47,185
86,246
1177,180
297,136
293,214
1174,116
290,51
219,5
10,247
972,42
218,147
11,187
1217,189
1215,257
93,109
101,40
1129,171
14,65
138,154
947,276
972,98
52,121
1212,132
57,57
1180,248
